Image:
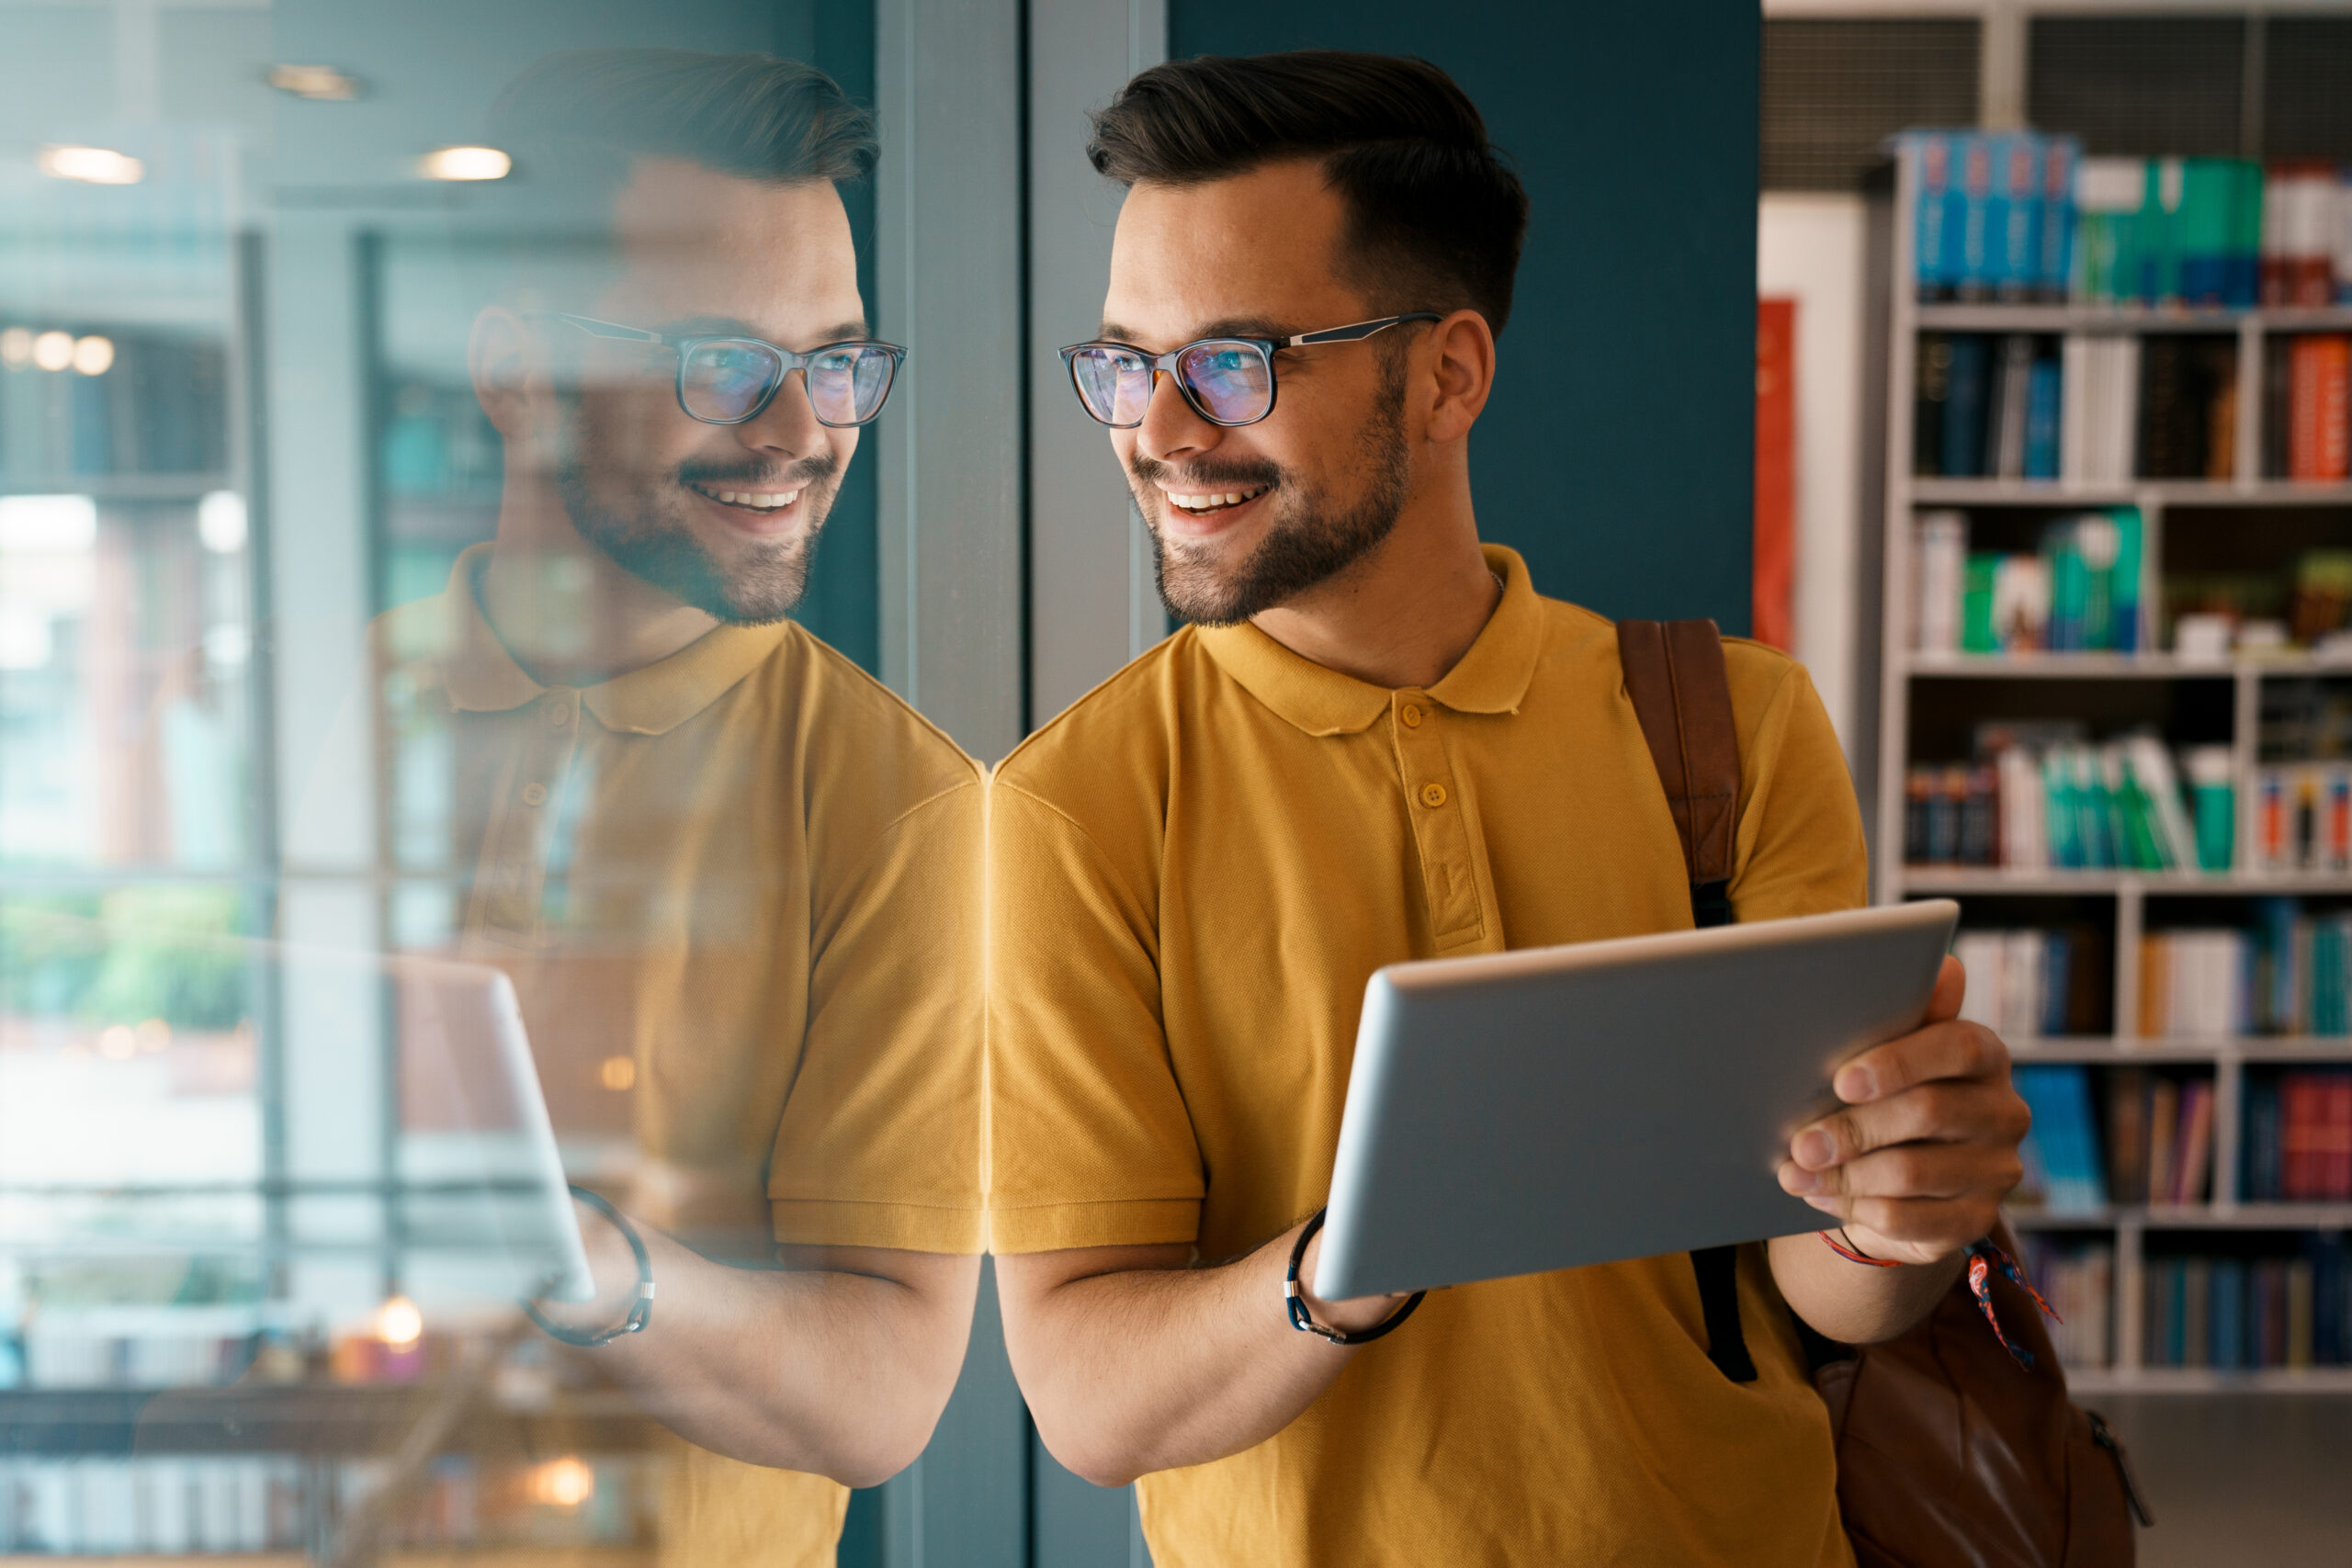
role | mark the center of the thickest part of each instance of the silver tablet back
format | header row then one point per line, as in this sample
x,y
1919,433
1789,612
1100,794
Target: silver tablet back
x,y
1538,1110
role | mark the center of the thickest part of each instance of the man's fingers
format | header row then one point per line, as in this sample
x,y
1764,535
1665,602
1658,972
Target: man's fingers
x,y
1910,1171
1948,1050
1948,1111
1951,987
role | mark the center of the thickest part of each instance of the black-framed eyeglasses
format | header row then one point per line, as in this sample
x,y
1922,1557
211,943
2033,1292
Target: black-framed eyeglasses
x,y
728,380
1228,381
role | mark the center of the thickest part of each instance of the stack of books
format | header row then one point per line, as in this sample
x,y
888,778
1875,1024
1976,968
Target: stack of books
x,y
2159,1136
2307,408
1988,406
2240,1312
2049,802
2306,234
2024,985
2062,1165
2287,974
2299,1136
2302,816
2079,593
2100,409
2078,1278
1996,218
2168,231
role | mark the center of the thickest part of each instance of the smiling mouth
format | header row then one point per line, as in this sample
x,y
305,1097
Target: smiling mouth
x,y
759,502
1202,504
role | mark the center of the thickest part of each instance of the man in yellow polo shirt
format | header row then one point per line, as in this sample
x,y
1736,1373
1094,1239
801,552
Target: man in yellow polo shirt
x,y
734,879
1376,742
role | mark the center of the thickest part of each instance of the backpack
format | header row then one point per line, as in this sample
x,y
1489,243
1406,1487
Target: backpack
x,y
1950,1454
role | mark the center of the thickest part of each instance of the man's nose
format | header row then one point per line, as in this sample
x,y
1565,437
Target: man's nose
x,y
1171,426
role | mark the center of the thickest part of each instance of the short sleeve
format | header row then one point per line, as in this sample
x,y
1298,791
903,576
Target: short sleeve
x,y
1089,1143
880,1144
1798,847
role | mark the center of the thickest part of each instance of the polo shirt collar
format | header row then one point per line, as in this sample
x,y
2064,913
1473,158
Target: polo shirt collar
x,y
1492,677
480,676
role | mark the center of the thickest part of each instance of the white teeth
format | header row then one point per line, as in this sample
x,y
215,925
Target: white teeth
x,y
1203,503
774,500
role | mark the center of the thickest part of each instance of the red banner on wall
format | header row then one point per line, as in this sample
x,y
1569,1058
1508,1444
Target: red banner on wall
x,y
1774,605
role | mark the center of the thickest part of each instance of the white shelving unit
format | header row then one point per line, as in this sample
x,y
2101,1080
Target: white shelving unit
x,y
1913,680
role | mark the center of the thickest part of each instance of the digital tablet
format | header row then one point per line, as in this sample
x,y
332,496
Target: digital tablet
x,y
1521,1111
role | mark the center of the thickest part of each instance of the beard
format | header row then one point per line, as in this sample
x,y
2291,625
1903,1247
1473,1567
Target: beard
x,y
1311,539
641,525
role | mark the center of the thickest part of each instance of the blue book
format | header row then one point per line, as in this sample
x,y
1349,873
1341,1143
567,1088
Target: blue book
x,y
2260,1175
1971,258
2057,965
2331,1304
2041,399
1963,442
2059,156
1931,234
2227,1316
2013,216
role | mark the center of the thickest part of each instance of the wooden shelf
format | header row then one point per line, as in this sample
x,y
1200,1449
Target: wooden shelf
x,y
359,1420
105,488
1963,879
1928,491
1994,317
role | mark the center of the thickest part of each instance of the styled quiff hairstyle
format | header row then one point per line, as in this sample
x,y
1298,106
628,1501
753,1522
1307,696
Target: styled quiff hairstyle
x,y
1435,214
580,117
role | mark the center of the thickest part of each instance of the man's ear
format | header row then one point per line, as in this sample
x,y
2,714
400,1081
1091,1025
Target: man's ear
x,y
1464,348
500,358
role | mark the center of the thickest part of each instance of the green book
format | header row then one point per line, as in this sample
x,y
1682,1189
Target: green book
x,y
2124,582
1977,632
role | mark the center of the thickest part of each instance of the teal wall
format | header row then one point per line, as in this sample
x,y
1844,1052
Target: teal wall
x,y
1617,454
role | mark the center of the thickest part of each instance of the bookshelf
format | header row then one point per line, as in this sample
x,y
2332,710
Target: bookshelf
x,y
1930,702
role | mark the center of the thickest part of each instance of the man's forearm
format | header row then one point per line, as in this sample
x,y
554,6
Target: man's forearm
x,y
1149,1365
1852,1303
827,1368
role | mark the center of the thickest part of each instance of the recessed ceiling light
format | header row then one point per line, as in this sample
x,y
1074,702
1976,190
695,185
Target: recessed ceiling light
x,y
94,356
93,165
53,350
322,83
464,164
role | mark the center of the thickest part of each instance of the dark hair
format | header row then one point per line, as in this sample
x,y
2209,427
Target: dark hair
x,y
1435,214
582,117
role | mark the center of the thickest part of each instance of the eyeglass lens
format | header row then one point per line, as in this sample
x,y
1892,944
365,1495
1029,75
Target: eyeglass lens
x,y
1232,382
726,380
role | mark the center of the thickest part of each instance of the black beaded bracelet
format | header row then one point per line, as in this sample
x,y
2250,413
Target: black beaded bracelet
x,y
641,1306
1295,1299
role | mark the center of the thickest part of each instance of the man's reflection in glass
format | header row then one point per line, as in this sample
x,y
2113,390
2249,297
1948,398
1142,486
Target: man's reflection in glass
x,y
731,875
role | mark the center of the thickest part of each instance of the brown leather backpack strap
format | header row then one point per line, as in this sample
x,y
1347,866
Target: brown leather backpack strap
x,y
1674,674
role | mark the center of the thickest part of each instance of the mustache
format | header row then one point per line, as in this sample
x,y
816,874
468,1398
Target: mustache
x,y
806,471
1213,474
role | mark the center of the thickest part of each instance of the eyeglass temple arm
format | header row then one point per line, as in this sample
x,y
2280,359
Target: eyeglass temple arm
x,y
1359,330
595,328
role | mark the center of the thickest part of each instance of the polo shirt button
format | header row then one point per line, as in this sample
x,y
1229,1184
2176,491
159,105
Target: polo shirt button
x,y
1411,715
1433,795
559,712
535,795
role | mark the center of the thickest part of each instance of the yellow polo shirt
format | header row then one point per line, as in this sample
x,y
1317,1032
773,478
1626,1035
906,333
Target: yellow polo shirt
x,y
738,891
1193,871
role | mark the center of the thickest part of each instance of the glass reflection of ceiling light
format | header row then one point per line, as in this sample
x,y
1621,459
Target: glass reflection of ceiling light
x,y
55,523
220,522
53,351
91,165
94,356
399,1324
26,639
322,83
566,1483
119,1043
228,644
16,348
464,164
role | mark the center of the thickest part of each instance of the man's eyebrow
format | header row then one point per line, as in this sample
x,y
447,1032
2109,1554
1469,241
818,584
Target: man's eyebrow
x,y
735,326
1226,326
